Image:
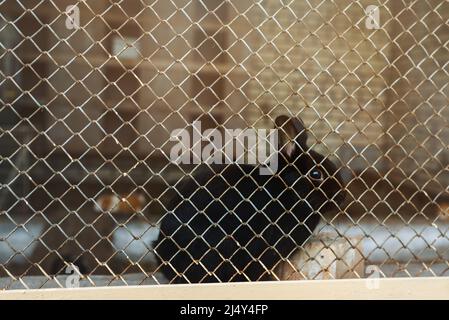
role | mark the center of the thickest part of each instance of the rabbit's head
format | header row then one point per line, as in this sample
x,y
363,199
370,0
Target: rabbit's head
x,y
314,178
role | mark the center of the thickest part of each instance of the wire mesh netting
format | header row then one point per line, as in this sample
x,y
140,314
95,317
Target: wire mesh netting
x,y
92,91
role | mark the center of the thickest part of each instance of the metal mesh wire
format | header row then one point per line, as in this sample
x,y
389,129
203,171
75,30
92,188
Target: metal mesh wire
x,y
88,107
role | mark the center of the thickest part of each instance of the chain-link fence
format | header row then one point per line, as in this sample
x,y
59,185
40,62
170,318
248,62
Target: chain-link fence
x,y
92,91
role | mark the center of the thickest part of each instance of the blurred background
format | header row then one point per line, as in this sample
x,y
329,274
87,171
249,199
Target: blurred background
x,y
86,113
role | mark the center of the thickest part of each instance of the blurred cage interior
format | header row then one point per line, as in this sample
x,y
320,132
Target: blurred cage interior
x,y
86,116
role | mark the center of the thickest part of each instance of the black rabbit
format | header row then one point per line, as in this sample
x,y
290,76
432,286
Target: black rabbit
x,y
229,223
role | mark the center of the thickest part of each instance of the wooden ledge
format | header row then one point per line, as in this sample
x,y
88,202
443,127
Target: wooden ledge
x,y
393,288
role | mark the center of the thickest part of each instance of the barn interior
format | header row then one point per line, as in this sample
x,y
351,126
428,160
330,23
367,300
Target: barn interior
x,y
87,112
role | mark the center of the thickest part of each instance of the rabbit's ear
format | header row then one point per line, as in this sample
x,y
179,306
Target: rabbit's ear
x,y
292,134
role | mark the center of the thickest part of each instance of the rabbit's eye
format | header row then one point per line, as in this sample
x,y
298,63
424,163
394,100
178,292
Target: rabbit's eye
x,y
316,174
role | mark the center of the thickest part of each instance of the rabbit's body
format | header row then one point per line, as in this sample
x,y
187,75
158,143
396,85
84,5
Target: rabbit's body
x,y
229,223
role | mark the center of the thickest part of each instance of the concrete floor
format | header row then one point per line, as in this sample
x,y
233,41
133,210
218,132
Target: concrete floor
x,y
420,248
20,246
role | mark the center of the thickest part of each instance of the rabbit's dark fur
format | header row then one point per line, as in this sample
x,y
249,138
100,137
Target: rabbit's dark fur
x,y
229,223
